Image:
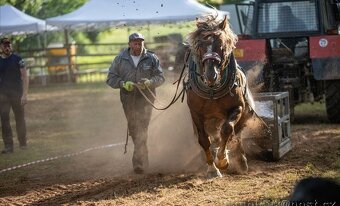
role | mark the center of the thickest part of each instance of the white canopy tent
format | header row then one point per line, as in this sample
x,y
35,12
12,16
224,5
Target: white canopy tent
x,y
100,14
110,13
15,22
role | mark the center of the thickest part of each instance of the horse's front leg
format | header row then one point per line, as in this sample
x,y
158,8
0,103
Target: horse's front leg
x,y
213,127
205,143
212,170
221,159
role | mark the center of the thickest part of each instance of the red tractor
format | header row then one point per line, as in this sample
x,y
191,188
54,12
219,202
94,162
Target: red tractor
x,y
293,46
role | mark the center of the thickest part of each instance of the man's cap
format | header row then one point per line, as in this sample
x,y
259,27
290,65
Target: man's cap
x,y
5,40
135,36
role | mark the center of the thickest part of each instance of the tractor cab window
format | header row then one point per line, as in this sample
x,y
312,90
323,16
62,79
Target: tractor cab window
x,y
336,7
245,13
332,17
287,17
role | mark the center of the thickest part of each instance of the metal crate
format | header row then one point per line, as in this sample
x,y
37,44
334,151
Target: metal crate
x,y
275,112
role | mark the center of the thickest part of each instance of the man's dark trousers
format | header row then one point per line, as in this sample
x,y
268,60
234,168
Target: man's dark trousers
x,y
8,101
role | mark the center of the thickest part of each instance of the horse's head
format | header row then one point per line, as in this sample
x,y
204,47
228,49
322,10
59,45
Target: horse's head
x,y
212,42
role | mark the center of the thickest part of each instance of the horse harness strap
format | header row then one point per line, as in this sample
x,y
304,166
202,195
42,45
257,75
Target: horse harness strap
x,y
228,80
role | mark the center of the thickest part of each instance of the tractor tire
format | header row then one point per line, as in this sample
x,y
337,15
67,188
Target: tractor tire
x,y
332,89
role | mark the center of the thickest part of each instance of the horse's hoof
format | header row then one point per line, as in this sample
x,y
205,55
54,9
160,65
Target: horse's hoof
x,y
224,167
214,174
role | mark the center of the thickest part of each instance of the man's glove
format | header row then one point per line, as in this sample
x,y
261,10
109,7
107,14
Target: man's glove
x,y
128,86
144,83
147,82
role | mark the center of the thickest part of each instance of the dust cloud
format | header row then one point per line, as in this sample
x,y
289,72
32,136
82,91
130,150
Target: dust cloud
x,y
173,147
254,75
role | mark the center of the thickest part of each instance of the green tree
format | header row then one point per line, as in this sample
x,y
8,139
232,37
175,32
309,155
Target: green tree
x,y
29,7
51,8
45,8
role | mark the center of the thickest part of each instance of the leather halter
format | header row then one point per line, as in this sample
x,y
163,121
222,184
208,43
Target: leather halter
x,y
199,88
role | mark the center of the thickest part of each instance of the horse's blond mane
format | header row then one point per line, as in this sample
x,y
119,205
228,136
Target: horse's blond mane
x,y
208,25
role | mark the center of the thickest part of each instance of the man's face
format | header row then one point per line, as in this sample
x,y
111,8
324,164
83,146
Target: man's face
x,y
6,48
136,46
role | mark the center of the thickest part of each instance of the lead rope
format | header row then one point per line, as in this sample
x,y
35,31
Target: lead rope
x,y
127,140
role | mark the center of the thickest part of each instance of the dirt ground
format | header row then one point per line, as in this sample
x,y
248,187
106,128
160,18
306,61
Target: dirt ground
x,y
176,175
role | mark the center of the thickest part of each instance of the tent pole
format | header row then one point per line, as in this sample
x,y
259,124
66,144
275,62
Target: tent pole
x,y
39,59
68,53
44,50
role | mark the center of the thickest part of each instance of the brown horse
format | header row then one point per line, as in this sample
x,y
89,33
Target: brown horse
x,y
217,95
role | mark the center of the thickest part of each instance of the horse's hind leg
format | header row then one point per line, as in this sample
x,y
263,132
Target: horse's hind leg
x,y
237,158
